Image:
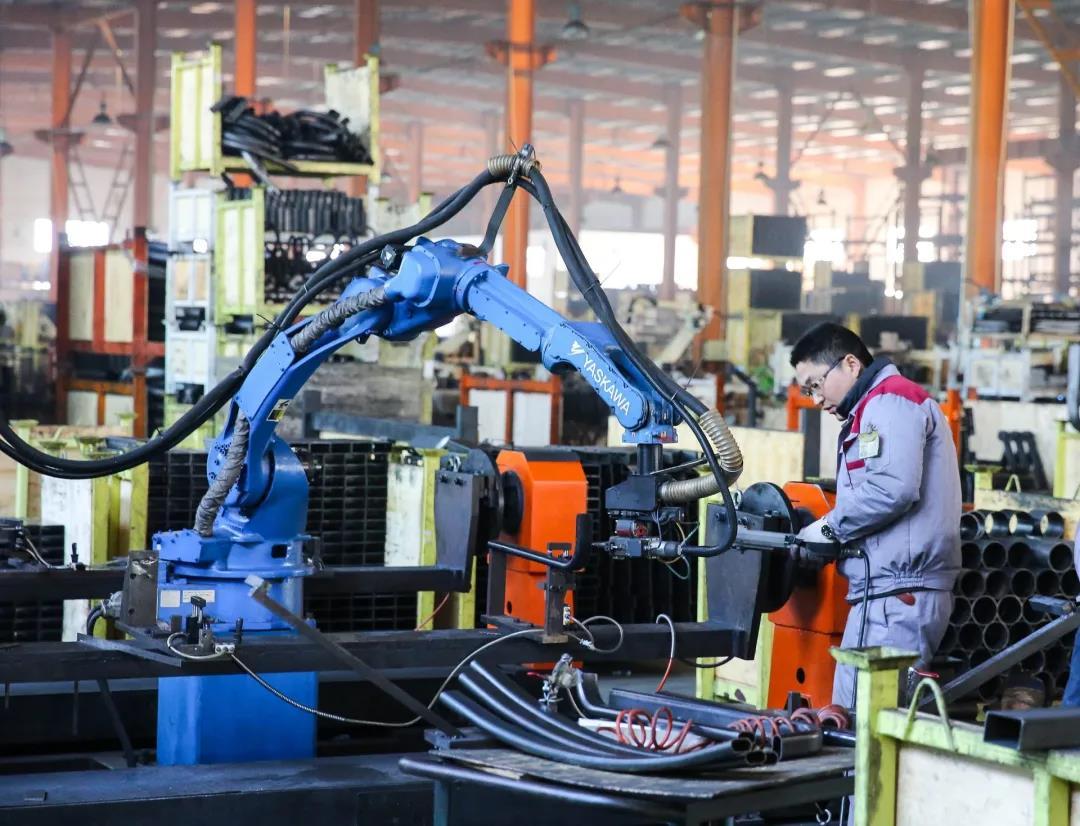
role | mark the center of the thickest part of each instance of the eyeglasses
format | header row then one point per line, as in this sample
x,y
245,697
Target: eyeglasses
x,y
813,387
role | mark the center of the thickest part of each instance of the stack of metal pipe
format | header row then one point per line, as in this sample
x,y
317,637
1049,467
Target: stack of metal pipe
x,y
1007,557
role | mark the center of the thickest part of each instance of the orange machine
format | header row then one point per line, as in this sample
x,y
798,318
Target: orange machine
x,y
545,491
811,622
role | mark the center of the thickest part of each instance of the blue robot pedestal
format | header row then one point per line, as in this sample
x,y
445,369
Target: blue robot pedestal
x,y
232,719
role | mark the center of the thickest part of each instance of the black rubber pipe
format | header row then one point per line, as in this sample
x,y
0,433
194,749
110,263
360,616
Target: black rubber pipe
x,y
994,555
1023,583
1047,583
972,584
961,611
984,610
587,744
970,556
998,584
1061,558
518,699
1049,524
1021,524
969,637
792,746
1010,609
1018,631
1021,555
971,526
1057,556
513,736
996,524
995,636
1070,584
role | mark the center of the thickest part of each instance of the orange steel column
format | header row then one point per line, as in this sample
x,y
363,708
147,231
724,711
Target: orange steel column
x,y
58,195
673,136
913,171
416,161
991,44
520,35
366,42
492,146
719,22
145,76
245,49
575,160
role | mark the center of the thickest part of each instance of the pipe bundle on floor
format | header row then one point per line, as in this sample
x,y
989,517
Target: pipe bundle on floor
x,y
1008,557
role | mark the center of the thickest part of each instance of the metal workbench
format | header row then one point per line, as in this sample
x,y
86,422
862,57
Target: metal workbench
x,y
408,789
683,799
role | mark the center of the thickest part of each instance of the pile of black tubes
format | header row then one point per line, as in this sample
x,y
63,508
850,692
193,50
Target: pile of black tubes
x,y
506,713
501,170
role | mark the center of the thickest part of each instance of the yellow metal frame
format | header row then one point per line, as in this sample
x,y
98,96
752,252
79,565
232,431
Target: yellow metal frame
x,y
883,731
240,255
189,117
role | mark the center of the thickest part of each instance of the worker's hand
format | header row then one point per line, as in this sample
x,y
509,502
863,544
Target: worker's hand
x,y
818,531
818,544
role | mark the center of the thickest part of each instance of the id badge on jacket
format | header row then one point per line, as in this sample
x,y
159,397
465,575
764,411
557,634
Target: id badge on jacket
x,y
869,445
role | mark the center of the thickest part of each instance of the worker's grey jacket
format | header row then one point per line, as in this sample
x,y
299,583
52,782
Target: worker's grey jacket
x,y
897,489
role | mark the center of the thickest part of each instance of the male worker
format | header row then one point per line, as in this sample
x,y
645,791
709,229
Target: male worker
x,y
897,497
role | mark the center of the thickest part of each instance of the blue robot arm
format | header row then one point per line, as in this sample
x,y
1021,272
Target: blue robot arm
x,y
434,283
254,521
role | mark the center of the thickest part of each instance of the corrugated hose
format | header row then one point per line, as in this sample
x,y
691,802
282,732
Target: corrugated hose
x,y
336,315
727,452
230,471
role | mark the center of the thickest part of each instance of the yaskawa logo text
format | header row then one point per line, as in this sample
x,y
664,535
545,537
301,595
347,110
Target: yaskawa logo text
x,y
600,379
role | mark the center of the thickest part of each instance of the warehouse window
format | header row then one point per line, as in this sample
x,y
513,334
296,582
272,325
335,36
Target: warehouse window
x,y
79,234
825,244
1019,239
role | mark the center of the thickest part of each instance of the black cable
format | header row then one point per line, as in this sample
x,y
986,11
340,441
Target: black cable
x,y
864,606
697,664
13,446
92,618
689,407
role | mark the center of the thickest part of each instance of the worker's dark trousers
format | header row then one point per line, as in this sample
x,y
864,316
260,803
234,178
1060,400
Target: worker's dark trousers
x,y
1072,687
890,621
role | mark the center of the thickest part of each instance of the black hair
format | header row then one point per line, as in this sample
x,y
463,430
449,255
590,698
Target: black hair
x,y
827,342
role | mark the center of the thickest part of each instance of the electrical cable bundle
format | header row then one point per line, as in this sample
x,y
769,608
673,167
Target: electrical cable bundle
x,y
520,170
346,264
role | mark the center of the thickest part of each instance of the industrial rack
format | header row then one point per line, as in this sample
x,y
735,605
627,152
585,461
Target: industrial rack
x,y
196,130
38,621
123,287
